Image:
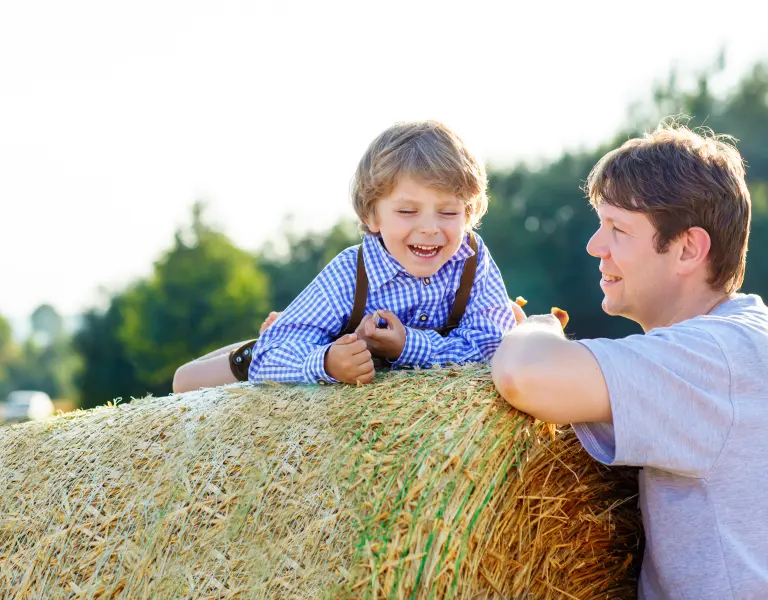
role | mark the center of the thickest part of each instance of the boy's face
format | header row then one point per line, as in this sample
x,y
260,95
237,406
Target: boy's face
x,y
638,282
422,227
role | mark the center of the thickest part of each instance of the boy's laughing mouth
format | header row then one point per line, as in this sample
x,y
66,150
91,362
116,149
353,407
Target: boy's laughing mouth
x,y
424,251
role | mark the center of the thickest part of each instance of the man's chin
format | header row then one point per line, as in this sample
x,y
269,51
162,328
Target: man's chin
x,y
610,308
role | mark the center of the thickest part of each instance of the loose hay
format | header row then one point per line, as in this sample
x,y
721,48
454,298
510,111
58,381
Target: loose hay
x,y
422,485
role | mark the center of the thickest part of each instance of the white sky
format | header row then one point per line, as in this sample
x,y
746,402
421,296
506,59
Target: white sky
x,y
115,117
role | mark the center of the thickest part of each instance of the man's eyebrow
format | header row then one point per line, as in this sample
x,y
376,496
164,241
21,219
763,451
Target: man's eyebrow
x,y
613,221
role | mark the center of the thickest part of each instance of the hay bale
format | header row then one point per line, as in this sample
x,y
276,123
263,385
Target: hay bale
x,y
421,485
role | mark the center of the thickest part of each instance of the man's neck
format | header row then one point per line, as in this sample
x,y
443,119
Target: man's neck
x,y
695,303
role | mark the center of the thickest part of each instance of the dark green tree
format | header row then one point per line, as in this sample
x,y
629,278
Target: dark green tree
x,y
306,256
204,293
105,373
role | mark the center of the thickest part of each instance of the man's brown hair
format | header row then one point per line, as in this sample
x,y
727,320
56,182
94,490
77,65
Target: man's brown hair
x,y
430,153
681,179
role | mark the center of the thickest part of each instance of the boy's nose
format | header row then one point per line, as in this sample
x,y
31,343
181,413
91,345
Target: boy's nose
x,y
429,226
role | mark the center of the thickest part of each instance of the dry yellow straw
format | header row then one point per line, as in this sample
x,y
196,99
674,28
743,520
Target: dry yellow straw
x,y
422,485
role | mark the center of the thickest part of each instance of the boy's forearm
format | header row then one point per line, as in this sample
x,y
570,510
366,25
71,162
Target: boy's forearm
x,y
289,362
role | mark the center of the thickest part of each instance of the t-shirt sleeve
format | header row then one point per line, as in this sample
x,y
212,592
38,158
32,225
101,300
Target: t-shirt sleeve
x,y
670,397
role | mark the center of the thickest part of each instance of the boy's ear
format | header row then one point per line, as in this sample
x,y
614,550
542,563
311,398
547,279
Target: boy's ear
x,y
371,223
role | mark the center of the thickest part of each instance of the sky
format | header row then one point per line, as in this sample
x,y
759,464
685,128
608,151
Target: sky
x,y
116,117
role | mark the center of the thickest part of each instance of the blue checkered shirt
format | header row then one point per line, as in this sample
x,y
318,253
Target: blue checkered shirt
x,y
292,349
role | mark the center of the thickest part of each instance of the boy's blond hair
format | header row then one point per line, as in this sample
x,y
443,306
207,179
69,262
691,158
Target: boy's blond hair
x,y
430,153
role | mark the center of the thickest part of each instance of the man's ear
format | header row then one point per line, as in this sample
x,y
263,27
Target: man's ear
x,y
695,244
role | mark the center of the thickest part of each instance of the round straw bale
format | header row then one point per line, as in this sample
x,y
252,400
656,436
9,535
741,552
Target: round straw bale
x,y
424,484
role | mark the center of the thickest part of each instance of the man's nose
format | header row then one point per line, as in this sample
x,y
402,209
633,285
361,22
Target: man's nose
x,y
595,245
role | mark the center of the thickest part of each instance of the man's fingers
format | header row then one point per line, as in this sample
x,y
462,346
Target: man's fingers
x,y
518,312
561,316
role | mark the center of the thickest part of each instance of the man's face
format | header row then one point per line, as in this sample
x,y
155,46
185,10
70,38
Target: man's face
x,y
638,282
422,227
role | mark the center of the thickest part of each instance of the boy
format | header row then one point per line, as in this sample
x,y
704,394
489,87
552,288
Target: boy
x,y
429,289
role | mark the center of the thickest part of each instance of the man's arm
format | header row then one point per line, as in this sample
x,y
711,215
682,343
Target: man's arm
x,y
556,380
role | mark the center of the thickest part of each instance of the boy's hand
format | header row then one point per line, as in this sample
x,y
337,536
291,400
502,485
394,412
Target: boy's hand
x,y
268,321
384,342
349,360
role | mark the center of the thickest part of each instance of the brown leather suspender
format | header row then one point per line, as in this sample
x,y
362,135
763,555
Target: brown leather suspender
x,y
361,295
465,288
459,303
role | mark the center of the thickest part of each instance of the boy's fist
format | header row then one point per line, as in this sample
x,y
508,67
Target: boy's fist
x,y
383,342
349,360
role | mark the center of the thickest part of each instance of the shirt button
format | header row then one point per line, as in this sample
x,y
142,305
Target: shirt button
x,y
423,318
426,281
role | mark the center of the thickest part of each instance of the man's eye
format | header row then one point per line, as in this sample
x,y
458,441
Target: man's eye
x,y
617,230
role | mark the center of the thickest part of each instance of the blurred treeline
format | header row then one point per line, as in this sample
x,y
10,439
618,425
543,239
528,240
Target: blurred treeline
x,y
205,292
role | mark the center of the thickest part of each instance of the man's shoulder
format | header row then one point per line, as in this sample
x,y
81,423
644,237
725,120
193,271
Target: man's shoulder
x,y
733,323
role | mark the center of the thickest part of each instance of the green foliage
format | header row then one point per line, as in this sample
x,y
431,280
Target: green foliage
x,y
105,373
47,321
204,293
306,257
44,361
7,355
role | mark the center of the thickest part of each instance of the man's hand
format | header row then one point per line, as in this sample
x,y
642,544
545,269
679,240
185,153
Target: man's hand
x,y
268,321
557,319
349,360
383,342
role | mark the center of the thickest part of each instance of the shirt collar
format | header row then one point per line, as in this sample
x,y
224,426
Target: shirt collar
x,y
381,266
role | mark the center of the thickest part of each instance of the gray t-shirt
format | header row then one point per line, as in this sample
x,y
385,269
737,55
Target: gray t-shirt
x,y
690,405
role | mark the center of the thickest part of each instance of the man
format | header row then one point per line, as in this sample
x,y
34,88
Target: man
x,y
688,400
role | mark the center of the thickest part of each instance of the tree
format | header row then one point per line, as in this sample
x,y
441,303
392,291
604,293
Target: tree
x,y
44,361
307,255
8,353
105,373
204,293
47,323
